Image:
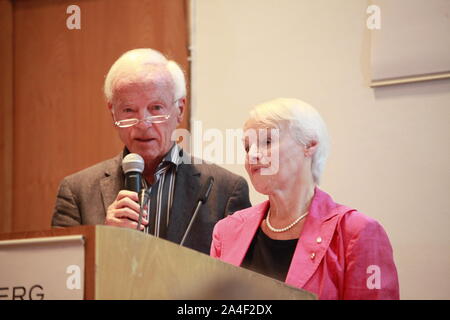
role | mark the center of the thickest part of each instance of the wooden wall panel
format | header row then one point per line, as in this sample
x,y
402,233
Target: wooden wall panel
x,y
6,114
61,123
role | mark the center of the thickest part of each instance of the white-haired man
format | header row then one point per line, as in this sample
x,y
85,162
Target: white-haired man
x,y
146,96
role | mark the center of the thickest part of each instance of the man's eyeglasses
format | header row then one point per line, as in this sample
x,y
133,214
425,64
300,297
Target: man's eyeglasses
x,y
149,120
127,123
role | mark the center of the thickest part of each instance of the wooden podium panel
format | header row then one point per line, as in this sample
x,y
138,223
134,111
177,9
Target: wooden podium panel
x,y
127,264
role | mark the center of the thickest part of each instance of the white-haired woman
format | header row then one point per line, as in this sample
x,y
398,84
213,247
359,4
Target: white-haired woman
x,y
300,235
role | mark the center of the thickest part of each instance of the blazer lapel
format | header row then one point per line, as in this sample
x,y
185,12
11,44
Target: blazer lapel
x,y
112,182
315,239
187,186
248,230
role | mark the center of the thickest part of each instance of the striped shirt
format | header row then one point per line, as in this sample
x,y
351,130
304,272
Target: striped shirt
x,y
159,204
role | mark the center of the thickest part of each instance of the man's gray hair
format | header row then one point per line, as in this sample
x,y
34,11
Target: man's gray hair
x,y
304,123
139,64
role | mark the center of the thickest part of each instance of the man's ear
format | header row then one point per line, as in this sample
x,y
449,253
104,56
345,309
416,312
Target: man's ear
x,y
110,108
181,107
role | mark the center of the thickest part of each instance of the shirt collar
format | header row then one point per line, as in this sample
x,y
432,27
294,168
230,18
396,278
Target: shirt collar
x,y
173,156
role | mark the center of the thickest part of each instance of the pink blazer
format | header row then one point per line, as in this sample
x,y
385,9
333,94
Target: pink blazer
x,y
341,253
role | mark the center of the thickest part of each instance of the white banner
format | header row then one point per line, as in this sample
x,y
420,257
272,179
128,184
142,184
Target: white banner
x,y
42,268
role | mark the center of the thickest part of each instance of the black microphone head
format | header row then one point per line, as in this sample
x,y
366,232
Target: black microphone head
x,y
133,163
206,190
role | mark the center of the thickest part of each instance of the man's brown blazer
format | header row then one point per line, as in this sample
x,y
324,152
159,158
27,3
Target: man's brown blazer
x,y
84,197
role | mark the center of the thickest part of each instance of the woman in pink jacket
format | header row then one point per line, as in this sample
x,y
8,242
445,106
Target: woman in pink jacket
x,y
300,235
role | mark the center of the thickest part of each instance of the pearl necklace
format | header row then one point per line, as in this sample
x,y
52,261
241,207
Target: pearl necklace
x,y
285,228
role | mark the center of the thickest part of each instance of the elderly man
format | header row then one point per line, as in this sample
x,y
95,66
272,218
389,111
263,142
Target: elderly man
x,y
146,96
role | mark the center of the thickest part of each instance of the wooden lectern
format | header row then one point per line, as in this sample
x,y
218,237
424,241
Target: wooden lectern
x,y
127,264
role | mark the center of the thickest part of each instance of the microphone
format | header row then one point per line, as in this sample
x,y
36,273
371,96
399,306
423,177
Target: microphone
x,y
133,166
204,194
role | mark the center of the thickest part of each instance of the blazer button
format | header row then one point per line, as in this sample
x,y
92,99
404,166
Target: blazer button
x,y
313,255
319,240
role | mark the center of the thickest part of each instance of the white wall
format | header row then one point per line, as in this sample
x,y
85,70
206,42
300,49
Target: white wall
x,y
390,146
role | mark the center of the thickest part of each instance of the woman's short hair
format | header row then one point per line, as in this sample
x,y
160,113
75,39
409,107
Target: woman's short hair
x,y
304,123
137,65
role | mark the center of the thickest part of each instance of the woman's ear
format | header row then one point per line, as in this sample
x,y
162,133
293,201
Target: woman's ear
x,y
311,148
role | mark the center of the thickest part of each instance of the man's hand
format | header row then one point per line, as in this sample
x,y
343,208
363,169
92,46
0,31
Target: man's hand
x,y
124,211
